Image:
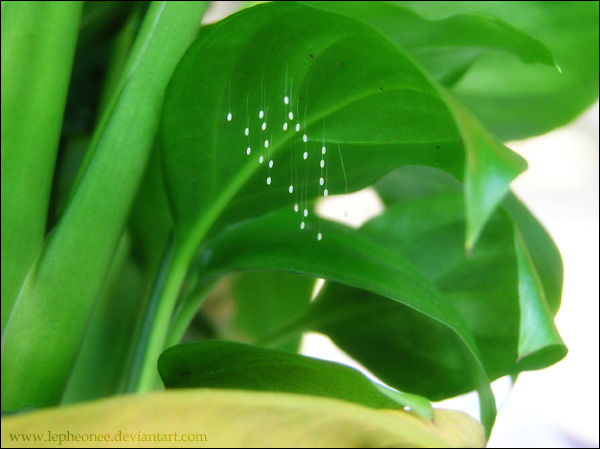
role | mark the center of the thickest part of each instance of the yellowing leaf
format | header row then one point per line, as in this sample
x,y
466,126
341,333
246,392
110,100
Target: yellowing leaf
x,y
216,418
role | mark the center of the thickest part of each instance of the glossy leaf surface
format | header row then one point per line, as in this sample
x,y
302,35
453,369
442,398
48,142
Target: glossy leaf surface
x,y
348,88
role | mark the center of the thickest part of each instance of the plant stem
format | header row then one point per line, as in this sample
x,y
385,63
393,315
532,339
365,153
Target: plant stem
x,y
156,325
185,313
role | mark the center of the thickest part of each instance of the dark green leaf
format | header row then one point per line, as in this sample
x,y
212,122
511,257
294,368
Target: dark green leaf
x,y
481,286
229,365
542,250
416,182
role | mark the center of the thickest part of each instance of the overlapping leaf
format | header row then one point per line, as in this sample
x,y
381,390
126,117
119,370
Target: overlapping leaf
x,y
495,289
38,44
448,46
538,262
276,242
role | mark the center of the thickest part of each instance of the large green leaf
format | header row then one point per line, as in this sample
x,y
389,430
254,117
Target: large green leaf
x,y
223,364
38,44
214,418
517,101
446,47
351,87
47,325
345,73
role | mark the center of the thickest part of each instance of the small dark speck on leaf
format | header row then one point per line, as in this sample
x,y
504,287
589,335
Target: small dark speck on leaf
x,y
461,142
438,147
311,56
380,87
186,374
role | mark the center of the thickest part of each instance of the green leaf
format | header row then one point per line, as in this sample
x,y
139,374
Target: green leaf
x,y
540,344
416,182
367,96
265,300
48,323
38,44
538,260
276,242
229,365
542,250
446,47
490,168
517,101
339,77
239,418
341,73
